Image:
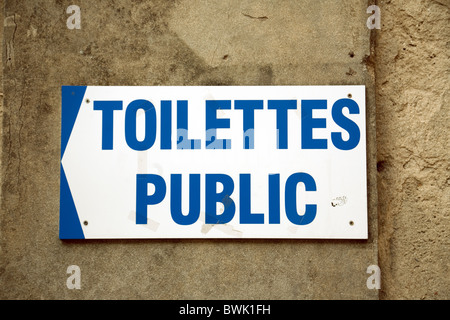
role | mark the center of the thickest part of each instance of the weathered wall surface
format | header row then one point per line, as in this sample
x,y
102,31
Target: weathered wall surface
x,y
413,122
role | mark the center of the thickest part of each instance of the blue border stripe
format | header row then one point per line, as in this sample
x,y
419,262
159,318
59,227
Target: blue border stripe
x,y
71,98
69,222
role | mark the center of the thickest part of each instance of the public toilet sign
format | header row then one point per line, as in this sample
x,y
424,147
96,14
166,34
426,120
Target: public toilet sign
x,y
213,162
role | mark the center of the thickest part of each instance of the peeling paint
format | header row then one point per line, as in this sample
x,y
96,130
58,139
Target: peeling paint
x,y
339,201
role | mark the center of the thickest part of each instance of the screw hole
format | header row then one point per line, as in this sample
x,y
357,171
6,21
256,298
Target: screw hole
x,y
85,222
349,95
87,101
351,223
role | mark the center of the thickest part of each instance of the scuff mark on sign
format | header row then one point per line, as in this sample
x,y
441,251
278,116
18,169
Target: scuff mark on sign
x,y
224,227
151,224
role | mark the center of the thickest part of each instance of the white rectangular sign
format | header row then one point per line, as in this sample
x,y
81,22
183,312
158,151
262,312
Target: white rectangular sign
x,y
213,162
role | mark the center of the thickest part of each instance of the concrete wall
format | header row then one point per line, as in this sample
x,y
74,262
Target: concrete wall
x,y
413,119
227,43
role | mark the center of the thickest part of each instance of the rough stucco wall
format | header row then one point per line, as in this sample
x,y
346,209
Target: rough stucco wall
x,y
413,122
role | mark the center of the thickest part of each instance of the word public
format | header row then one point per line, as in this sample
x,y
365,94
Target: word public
x,y
280,110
